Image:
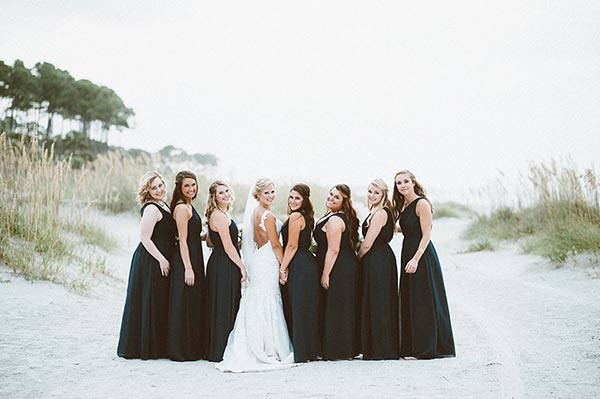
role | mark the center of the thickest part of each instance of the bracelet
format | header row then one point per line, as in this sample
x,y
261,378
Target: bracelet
x,y
282,271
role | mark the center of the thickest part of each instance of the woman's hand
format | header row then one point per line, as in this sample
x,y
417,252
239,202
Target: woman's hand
x,y
244,275
189,276
411,266
164,267
325,281
283,276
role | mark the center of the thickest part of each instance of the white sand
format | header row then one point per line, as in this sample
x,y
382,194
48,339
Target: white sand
x,y
522,329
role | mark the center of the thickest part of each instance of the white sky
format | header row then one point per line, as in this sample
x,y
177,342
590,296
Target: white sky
x,y
336,91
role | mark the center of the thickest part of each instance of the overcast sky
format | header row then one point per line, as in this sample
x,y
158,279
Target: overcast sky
x,y
336,91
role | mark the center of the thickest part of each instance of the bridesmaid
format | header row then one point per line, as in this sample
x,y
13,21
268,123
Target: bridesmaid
x,y
187,339
425,320
300,271
144,325
225,270
336,234
379,304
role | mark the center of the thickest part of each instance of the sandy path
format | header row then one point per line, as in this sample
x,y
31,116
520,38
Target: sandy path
x,y
522,329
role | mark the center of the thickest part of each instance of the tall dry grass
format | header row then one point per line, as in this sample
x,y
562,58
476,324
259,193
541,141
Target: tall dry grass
x,y
42,223
558,215
45,229
110,182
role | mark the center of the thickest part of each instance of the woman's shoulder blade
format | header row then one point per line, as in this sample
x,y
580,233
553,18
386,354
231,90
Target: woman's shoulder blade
x,y
340,220
295,216
156,209
218,219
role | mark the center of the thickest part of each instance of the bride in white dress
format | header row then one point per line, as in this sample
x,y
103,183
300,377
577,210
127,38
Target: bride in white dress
x,y
259,340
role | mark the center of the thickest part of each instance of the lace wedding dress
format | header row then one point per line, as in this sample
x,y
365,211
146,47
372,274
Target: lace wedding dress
x,y
259,340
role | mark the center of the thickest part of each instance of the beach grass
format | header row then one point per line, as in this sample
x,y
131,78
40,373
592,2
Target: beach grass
x,y
40,211
109,183
558,216
46,231
481,244
451,209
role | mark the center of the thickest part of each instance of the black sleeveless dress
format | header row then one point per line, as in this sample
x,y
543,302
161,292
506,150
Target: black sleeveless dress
x,y
188,337
144,325
426,331
303,294
379,304
224,293
340,326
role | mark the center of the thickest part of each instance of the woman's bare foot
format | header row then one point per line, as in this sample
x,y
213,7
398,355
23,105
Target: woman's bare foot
x,y
410,358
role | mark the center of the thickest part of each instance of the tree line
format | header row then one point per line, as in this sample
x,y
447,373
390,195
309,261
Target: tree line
x,y
30,96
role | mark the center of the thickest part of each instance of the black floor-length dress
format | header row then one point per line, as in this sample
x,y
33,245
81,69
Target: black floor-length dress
x,y
303,294
340,312
224,293
379,303
426,331
144,325
188,330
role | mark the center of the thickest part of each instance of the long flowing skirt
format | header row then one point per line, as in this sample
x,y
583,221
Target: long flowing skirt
x,y
341,309
379,305
303,290
426,330
145,316
224,292
259,340
187,338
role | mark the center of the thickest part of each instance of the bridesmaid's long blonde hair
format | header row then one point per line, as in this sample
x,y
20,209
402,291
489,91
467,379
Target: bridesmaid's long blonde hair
x,y
143,192
211,201
385,200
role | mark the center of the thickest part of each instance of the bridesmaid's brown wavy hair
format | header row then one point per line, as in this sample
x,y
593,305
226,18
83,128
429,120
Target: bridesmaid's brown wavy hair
x,y
348,210
398,199
177,194
307,206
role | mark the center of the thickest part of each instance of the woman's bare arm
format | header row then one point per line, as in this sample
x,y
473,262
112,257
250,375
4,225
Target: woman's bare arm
x,y
378,220
220,222
296,224
334,229
150,217
182,214
273,237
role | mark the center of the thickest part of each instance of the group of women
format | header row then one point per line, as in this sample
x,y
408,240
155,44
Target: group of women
x,y
340,303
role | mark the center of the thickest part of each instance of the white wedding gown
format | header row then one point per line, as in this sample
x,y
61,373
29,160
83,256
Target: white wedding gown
x,y
259,340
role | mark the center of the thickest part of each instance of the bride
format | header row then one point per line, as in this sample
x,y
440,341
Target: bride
x,y
259,340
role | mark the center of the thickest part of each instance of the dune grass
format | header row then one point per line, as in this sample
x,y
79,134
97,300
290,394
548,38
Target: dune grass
x,y
451,209
39,214
481,244
45,229
559,216
109,183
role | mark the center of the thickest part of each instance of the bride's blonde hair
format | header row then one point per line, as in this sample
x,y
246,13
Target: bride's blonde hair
x,y
260,185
